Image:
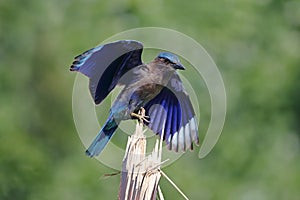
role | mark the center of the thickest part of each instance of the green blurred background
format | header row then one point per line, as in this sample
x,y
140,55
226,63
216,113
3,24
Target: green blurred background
x,y
256,45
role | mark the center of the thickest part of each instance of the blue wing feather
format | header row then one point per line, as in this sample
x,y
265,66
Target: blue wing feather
x,y
175,114
105,65
168,124
175,121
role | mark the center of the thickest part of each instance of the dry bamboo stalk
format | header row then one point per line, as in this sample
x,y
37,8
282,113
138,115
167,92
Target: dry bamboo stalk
x,y
140,173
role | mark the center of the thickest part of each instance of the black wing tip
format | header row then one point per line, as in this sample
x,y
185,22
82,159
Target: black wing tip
x,y
88,153
73,68
80,59
76,63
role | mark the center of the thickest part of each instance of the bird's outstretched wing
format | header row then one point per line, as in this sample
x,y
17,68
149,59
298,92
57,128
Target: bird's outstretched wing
x,y
172,116
105,65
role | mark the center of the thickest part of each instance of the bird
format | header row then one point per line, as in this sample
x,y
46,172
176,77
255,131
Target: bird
x,y
155,87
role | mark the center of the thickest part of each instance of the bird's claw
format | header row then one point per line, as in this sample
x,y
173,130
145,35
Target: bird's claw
x,y
141,116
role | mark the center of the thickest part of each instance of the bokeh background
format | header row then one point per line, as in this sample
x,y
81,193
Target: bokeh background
x,y
256,45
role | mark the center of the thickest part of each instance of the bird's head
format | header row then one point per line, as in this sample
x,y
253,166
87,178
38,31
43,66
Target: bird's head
x,y
170,59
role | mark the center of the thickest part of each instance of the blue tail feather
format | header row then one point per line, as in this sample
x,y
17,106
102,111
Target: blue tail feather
x,y
102,138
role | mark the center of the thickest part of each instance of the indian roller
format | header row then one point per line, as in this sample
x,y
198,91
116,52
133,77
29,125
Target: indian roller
x,y
155,86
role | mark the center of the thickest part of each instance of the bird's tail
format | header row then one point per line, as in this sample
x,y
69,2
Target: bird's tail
x,y
102,138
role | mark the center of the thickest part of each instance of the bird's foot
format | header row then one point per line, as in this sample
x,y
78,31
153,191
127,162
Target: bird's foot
x,y
141,116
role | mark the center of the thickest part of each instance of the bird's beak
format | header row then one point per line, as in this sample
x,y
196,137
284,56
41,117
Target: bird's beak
x,y
179,66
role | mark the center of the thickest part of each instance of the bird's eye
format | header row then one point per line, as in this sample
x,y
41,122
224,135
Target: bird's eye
x,y
167,61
